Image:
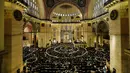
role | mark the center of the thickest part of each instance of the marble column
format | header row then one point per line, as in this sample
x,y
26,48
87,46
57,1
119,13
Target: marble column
x,y
88,35
1,62
97,40
42,39
34,40
13,40
75,34
44,36
127,52
101,39
58,35
1,33
30,39
2,25
13,43
119,36
129,20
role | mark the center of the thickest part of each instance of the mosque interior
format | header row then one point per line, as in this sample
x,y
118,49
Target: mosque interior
x,y
64,36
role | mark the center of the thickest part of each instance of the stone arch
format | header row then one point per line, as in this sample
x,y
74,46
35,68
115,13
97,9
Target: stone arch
x,y
34,26
102,32
73,4
102,27
28,27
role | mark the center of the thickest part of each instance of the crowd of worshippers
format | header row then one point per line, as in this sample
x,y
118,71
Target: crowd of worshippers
x,y
93,61
65,52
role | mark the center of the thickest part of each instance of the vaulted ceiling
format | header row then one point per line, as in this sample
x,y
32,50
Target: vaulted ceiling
x,y
47,7
66,12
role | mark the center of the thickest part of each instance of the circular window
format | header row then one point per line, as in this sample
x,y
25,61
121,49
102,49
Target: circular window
x,y
114,14
17,15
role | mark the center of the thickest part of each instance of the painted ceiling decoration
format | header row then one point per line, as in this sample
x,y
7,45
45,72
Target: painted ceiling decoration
x,y
81,3
65,6
50,3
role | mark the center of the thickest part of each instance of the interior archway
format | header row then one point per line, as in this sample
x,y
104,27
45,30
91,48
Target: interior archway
x,y
102,33
66,12
102,27
28,27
